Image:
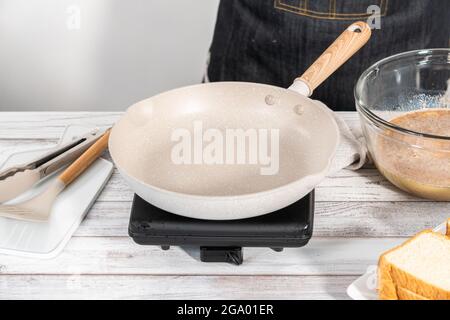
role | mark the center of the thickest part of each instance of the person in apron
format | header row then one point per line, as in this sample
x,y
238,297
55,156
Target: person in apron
x,y
274,41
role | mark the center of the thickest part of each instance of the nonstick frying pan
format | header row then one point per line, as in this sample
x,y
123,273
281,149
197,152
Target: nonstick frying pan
x,y
175,152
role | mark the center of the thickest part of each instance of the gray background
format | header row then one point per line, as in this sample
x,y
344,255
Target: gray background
x,y
121,51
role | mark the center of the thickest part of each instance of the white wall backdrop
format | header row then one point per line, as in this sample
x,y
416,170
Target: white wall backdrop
x,y
99,54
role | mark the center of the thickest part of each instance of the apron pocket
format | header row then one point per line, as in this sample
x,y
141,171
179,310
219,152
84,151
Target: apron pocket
x,y
332,9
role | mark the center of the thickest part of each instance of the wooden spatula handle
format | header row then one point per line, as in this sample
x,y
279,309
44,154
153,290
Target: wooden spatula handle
x,y
348,43
85,160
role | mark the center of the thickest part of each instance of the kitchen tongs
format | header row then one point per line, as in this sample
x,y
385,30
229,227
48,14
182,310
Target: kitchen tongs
x,y
39,207
16,180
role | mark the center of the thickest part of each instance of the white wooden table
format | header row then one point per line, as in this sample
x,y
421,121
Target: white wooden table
x,y
358,215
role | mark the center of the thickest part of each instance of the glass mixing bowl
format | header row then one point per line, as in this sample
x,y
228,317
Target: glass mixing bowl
x,y
405,116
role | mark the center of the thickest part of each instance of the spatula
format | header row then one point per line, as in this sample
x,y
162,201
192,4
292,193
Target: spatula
x,y
38,208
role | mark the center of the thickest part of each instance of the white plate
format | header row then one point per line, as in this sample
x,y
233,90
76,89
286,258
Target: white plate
x,y
47,239
365,287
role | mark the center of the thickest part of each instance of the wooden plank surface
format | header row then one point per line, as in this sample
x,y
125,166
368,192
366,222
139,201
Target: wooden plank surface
x,y
173,287
358,215
119,255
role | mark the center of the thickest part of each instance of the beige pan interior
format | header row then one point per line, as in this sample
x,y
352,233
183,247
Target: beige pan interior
x,y
141,141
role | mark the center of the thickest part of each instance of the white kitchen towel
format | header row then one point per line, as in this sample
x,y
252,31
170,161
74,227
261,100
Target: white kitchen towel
x,y
352,151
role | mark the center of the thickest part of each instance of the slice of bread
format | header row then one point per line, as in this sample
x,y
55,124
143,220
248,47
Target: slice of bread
x,y
448,228
405,294
420,265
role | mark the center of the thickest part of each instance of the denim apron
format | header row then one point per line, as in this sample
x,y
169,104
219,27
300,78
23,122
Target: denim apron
x,y
274,41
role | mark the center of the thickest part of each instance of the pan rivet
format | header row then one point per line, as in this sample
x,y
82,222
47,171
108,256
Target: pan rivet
x,y
270,100
299,109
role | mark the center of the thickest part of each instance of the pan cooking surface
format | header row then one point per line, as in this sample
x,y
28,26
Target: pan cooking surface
x,y
285,139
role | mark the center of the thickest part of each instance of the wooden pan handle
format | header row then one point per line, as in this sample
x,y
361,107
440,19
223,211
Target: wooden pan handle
x,y
85,160
348,43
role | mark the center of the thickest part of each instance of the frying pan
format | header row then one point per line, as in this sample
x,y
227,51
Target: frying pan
x,y
160,145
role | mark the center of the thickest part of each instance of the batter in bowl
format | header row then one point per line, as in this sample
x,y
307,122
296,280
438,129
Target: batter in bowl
x,y
414,163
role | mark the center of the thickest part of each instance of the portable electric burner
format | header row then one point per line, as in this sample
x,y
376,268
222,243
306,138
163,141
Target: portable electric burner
x,y
222,240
